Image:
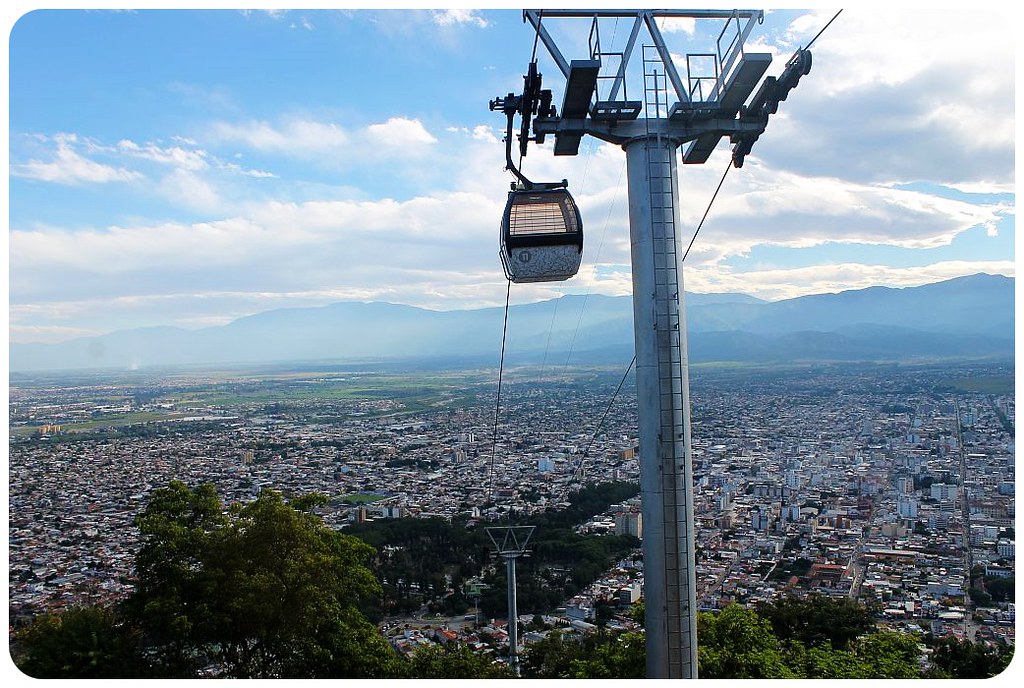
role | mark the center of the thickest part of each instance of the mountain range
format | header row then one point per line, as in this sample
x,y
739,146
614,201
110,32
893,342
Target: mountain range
x,y
965,317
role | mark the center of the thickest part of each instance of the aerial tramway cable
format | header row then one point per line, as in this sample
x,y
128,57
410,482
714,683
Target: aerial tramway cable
x,y
706,211
600,424
730,165
497,402
829,23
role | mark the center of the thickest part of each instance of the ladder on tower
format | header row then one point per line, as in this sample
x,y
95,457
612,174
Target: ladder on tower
x,y
661,161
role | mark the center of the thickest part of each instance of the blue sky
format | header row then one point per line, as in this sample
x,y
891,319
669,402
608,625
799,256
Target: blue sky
x,y
189,167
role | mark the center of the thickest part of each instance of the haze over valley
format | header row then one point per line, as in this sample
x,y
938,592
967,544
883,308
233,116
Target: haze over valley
x,y
967,317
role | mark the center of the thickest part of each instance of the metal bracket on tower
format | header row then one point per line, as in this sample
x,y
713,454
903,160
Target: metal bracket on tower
x,y
510,540
766,103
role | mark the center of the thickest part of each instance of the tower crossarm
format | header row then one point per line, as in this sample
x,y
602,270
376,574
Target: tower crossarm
x,y
700,116
623,132
649,18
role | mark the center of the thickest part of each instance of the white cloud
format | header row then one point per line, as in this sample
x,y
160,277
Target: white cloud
x,y
485,133
68,166
327,143
458,16
761,204
685,25
297,137
175,156
400,131
270,13
279,243
818,279
183,173
899,101
47,334
190,190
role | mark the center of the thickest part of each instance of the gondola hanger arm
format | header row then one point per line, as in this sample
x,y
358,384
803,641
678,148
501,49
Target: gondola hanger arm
x,y
533,101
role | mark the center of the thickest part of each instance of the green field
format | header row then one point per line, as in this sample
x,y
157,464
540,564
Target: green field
x,y
413,392
329,394
990,384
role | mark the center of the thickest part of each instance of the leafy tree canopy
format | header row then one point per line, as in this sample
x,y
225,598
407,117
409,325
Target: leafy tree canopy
x,y
81,642
741,643
453,662
737,643
266,590
818,619
598,655
955,658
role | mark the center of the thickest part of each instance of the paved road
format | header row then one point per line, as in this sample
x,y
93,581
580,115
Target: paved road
x,y
423,619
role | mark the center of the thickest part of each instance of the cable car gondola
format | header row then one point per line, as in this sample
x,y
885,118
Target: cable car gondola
x,y
541,229
541,235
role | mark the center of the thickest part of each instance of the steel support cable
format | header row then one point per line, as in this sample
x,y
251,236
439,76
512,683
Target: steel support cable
x,y
823,29
600,425
600,246
583,182
497,403
729,165
536,35
572,341
615,394
706,211
604,230
547,343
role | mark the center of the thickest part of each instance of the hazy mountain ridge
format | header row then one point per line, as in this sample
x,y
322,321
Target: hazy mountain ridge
x,y
964,317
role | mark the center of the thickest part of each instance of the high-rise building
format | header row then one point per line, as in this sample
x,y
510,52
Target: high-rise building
x,y
904,485
906,506
760,519
944,491
629,523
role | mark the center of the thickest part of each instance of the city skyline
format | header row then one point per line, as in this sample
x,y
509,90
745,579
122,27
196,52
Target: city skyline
x,y
191,167
880,484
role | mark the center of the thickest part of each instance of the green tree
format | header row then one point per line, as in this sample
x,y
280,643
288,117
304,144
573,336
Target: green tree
x,y
979,598
552,657
1001,589
818,619
737,643
453,662
620,656
171,601
875,656
81,642
638,612
289,587
597,655
825,662
889,654
955,658
265,591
